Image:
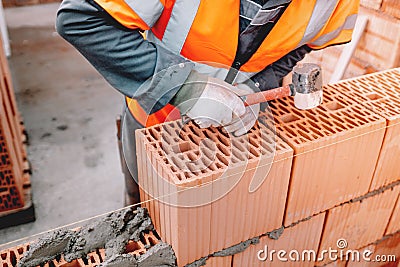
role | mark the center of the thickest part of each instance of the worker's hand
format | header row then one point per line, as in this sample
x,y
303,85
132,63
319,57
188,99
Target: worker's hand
x,y
218,105
242,124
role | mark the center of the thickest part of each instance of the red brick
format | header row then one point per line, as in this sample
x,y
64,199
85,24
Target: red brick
x,y
380,43
229,165
389,246
330,164
374,4
303,236
219,262
380,92
391,7
359,223
394,224
360,262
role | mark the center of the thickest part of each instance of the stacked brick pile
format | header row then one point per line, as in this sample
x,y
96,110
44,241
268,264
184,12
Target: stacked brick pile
x,y
378,48
329,173
14,179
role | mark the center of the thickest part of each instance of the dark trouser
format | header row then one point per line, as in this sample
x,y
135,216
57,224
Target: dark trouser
x,y
127,150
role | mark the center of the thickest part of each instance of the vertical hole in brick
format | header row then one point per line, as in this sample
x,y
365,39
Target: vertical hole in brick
x,y
92,259
85,260
194,140
287,118
51,264
219,165
222,159
153,134
192,156
182,147
373,96
20,251
99,255
5,265
13,258
3,256
132,246
333,106
223,140
255,152
238,155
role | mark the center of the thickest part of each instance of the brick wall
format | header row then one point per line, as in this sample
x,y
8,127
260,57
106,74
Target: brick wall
x,y
321,174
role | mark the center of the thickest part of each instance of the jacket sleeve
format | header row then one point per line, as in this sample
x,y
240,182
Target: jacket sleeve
x,y
136,67
271,77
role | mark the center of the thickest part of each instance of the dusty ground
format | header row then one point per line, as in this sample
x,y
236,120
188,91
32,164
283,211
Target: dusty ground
x,y
69,112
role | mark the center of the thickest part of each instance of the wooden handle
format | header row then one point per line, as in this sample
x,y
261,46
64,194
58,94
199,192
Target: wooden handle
x,y
265,96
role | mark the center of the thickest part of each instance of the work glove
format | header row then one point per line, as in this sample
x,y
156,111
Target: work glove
x,y
242,124
218,105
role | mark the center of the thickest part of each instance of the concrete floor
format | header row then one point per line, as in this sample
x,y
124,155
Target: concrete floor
x,y
69,112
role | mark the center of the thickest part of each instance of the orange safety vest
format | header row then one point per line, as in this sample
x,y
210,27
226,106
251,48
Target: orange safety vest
x,y
207,31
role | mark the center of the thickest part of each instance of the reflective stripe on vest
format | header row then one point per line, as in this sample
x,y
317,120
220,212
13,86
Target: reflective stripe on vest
x,y
149,11
349,24
321,13
179,24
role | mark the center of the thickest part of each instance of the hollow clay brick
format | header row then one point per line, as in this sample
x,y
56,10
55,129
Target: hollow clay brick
x,y
331,164
303,236
394,224
11,178
374,4
380,92
391,7
240,214
181,172
380,42
360,262
389,245
11,147
219,262
10,109
360,223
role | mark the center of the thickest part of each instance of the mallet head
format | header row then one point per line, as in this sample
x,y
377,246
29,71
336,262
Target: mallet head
x,y
307,81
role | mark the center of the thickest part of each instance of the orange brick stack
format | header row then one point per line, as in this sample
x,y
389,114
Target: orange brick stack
x,y
340,157
10,257
169,157
380,93
13,176
378,48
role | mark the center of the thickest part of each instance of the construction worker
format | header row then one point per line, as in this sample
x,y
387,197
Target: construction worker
x,y
198,55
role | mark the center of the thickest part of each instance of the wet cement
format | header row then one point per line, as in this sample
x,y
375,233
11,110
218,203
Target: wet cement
x,y
276,234
237,248
111,232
